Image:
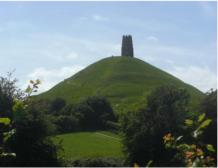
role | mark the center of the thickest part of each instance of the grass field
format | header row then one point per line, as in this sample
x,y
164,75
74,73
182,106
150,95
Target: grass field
x,y
90,145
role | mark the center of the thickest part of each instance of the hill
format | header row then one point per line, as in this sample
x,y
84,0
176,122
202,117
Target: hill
x,y
125,81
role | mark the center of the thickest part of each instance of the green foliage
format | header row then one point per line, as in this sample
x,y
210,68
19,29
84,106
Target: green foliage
x,y
30,141
56,105
192,151
6,156
8,93
188,122
124,81
5,121
66,123
143,130
98,162
210,148
209,106
94,112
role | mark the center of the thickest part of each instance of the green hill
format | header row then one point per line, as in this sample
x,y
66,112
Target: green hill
x,y
124,81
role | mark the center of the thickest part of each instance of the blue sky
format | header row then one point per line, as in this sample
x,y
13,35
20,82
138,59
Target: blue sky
x,y
53,40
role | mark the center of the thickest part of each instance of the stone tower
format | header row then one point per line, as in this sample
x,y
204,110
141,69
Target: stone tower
x,y
127,46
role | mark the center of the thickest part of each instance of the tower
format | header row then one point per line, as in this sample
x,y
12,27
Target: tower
x,y
127,46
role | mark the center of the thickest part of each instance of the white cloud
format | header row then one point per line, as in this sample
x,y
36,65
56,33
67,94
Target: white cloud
x,y
152,39
94,17
201,77
51,77
99,18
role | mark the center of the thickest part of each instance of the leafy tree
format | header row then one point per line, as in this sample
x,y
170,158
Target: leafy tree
x,y
6,130
143,130
94,112
194,153
8,93
66,123
209,106
31,141
56,105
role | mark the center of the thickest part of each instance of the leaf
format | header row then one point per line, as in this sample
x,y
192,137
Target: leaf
x,y
18,110
210,148
5,121
205,123
149,163
7,135
38,81
197,132
28,89
201,117
180,137
31,81
189,122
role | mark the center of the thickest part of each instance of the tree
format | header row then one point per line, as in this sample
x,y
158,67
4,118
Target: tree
x,y
8,93
56,105
94,112
144,129
31,141
66,123
209,106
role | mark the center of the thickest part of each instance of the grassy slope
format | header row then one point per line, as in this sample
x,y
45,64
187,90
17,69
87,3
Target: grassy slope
x,y
90,145
124,81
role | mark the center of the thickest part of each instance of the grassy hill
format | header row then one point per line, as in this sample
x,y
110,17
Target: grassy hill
x,y
124,81
90,145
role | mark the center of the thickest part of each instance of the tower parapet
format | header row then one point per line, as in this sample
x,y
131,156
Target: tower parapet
x,y
127,46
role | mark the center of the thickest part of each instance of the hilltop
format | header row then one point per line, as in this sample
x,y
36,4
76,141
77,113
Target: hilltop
x,y
125,81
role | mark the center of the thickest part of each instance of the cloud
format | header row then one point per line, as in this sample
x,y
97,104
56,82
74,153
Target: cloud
x,y
201,77
95,17
152,39
188,64
99,18
50,77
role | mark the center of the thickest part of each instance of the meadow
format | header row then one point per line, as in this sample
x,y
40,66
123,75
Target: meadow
x,y
90,145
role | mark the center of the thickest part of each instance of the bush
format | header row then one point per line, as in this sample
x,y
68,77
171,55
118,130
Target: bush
x,y
209,106
93,113
57,105
144,129
98,162
194,152
8,93
66,124
31,141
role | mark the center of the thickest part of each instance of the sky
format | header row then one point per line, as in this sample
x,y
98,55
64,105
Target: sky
x,y
54,40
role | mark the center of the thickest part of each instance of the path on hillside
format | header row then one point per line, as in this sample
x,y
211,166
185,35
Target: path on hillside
x,y
118,139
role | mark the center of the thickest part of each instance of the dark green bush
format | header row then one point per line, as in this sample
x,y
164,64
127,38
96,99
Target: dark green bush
x,y
98,162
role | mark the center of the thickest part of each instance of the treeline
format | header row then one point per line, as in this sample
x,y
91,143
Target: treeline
x,y
92,113
159,134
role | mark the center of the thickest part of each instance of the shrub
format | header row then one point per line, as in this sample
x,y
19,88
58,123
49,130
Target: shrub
x,y
143,130
98,162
